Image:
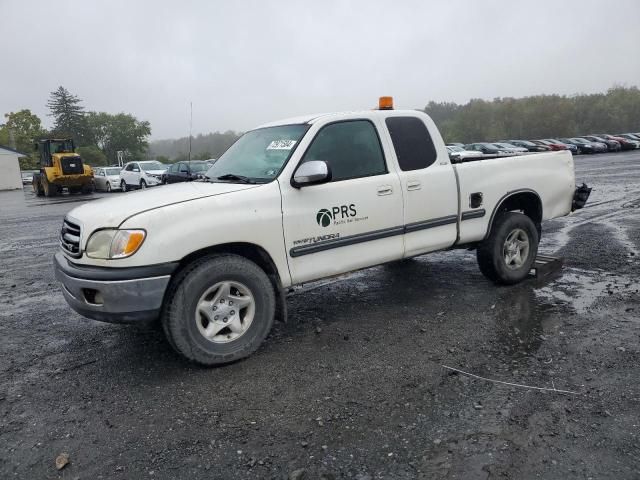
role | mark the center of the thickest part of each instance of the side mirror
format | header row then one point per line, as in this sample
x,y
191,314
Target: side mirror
x,y
311,173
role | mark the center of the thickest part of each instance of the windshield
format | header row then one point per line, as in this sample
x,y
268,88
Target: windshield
x,y
63,146
152,166
259,154
526,142
579,140
112,171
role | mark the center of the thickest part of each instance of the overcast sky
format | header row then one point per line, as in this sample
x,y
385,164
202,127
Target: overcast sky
x,y
243,63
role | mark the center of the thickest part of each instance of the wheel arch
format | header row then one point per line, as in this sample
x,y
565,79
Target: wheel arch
x,y
250,251
525,200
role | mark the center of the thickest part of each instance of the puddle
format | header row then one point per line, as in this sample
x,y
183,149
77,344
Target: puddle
x,y
581,289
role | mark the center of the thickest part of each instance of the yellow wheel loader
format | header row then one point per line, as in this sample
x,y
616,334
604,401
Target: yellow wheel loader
x,y
61,167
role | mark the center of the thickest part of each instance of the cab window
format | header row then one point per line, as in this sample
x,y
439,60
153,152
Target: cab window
x,y
412,143
351,148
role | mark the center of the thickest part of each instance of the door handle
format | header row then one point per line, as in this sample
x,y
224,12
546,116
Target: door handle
x,y
385,190
414,185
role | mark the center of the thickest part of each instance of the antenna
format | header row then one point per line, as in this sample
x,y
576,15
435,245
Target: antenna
x,y
190,128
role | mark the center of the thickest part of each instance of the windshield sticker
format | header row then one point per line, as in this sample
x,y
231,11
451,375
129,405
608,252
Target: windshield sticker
x,y
281,145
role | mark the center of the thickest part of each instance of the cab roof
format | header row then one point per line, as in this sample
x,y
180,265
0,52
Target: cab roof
x,y
313,118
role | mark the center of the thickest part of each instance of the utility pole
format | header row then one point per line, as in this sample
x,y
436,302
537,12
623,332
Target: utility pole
x,y
190,128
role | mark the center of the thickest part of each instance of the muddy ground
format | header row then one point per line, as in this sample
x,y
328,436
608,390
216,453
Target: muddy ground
x,y
354,385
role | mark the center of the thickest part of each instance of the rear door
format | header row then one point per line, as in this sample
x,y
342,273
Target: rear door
x,y
428,185
351,222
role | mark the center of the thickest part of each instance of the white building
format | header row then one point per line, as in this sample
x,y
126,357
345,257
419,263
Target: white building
x,y
10,178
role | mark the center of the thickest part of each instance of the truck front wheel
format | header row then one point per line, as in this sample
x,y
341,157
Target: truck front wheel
x,y
219,309
507,255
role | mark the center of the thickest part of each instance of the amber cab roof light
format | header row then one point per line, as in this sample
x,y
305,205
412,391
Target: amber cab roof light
x,y
385,103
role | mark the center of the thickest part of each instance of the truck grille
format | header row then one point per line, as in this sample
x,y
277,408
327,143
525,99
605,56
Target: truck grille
x,y
70,239
71,165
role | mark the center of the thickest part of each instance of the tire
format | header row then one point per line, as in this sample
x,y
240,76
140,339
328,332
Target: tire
x,y
201,284
143,184
87,189
108,188
508,229
123,185
48,189
37,187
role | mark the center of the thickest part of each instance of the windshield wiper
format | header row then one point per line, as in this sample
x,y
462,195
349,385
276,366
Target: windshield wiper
x,y
233,176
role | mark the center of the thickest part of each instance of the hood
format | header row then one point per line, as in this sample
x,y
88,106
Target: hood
x,y
112,211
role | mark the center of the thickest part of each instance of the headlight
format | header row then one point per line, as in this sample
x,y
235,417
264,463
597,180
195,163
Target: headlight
x,y
111,243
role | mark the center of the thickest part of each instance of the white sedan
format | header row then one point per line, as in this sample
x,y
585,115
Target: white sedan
x,y
107,178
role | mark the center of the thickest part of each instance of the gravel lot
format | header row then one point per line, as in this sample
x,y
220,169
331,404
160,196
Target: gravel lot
x,y
354,385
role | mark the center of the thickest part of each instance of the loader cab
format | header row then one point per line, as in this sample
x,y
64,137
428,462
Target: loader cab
x,y
48,147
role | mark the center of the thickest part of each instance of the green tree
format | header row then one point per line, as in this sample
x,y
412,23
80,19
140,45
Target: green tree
x,y
21,130
93,156
111,133
68,115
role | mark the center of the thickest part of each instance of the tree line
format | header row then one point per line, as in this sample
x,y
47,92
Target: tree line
x,y
540,116
98,135
203,147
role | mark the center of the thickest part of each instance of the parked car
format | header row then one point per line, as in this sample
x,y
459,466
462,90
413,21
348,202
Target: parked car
x,y
455,144
460,154
27,177
585,146
612,145
143,174
569,146
509,148
296,201
554,145
211,161
163,177
185,171
625,143
530,146
486,148
106,178
631,136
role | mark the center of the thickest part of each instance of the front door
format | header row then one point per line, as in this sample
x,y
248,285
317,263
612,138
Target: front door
x,y
351,222
428,185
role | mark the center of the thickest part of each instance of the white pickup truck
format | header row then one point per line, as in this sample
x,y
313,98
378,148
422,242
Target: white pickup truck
x,y
295,201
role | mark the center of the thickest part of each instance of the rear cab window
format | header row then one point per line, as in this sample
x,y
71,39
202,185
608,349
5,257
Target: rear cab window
x,y
412,143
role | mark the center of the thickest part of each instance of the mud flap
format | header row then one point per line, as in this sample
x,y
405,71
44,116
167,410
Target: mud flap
x,y
580,197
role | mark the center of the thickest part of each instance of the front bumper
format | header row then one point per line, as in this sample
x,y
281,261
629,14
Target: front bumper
x,y
116,295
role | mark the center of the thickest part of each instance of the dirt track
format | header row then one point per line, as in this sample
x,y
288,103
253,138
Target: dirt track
x,y
354,385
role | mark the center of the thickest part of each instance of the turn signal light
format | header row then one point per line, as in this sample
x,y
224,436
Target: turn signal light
x,y
385,103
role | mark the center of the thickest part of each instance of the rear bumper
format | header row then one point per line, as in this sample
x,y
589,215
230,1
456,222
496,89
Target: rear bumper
x,y
116,295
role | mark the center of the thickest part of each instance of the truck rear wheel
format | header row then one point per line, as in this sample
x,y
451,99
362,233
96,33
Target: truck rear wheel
x,y
219,309
507,255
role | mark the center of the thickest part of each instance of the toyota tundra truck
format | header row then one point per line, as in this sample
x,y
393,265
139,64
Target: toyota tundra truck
x,y
295,201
